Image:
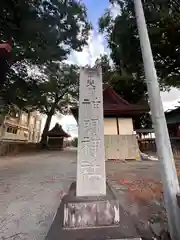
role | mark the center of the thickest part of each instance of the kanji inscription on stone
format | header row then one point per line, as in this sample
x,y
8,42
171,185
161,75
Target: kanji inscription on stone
x,y
91,180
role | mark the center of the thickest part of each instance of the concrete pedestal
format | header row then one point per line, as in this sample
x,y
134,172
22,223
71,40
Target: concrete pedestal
x,y
88,218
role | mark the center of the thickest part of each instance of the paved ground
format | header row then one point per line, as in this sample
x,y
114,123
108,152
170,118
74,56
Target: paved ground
x,y
31,188
30,191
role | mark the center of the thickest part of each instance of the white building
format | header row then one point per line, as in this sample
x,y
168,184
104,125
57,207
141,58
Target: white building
x,y
21,126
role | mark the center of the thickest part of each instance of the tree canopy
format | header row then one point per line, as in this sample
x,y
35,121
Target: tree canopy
x,y
57,86
44,30
128,87
163,22
56,91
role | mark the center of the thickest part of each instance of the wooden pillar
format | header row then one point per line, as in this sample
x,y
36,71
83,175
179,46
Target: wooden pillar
x,y
117,124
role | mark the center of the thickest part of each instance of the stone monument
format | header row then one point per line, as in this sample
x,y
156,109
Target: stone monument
x,y
91,179
90,210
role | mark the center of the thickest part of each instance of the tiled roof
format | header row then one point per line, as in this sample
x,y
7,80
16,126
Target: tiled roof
x,y
114,105
113,101
57,131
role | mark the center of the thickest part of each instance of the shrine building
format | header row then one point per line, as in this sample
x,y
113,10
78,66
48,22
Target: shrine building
x,y
56,137
120,138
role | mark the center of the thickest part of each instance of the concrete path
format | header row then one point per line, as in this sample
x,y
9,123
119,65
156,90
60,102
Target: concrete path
x,y
31,188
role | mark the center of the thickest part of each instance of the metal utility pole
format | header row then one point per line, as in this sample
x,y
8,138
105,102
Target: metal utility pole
x,y
169,176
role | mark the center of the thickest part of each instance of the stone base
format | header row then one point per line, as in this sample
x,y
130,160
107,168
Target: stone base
x,y
88,218
91,214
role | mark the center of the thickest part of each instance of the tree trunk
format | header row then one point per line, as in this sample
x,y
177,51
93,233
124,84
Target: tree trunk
x,y
46,127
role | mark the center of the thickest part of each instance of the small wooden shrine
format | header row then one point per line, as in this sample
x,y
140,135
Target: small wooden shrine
x,y
56,137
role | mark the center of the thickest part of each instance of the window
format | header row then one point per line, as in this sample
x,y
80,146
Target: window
x,y
12,130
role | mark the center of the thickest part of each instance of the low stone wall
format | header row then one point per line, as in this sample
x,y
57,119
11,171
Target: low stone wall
x,y
13,148
121,147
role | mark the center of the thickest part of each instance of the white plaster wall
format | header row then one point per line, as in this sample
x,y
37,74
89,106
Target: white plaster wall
x,y
125,126
18,136
31,136
110,126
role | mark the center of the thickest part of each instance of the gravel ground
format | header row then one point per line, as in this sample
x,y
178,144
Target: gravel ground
x,y
137,183
138,187
30,191
31,188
